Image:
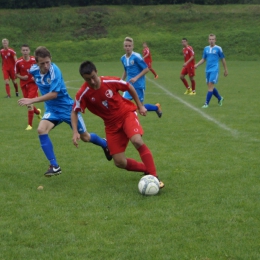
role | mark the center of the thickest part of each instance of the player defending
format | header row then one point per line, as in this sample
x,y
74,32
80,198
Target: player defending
x,y
58,105
212,54
119,115
188,67
8,62
147,56
134,72
28,86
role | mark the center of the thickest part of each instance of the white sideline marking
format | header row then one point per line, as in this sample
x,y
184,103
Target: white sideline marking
x,y
221,125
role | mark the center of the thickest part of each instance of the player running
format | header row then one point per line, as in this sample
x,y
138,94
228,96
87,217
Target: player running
x,y
212,54
8,62
58,105
147,56
100,95
27,84
188,67
134,72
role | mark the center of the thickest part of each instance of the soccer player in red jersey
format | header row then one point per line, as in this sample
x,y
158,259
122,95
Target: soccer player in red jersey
x,y
188,67
148,59
8,62
28,86
100,95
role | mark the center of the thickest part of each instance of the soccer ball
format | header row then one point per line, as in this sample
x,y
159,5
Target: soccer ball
x,y
148,185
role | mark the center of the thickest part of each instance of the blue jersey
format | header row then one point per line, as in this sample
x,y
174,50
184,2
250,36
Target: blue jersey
x,y
53,81
134,65
212,56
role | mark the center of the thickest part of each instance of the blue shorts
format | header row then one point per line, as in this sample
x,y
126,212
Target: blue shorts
x,y
212,77
57,118
140,93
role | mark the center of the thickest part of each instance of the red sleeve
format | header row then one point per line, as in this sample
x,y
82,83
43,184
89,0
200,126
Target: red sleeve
x,y
80,103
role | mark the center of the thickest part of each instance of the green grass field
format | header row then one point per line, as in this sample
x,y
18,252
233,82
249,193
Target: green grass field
x,y
208,159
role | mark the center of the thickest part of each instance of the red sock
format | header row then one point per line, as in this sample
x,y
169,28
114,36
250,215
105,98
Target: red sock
x,y
185,82
35,110
16,87
147,159
7,89
153,71
193,85
134,166
30,117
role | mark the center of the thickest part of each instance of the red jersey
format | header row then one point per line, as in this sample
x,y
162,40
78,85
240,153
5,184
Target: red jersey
x,y
105,102
188,53
146,51
8,61
22,67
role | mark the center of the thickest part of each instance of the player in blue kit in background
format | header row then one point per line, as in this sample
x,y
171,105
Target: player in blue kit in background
x,y
58,106
212,54
134,72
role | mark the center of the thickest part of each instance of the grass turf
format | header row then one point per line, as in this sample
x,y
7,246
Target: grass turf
x,y
208,159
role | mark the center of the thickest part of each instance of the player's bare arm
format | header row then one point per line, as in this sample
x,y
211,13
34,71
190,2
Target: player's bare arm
x,y
29,101
141,108
225,67
21,77
143,72
188,61
199,63
74,124
124,76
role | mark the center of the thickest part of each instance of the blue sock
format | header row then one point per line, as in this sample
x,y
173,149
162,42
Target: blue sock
x,y
47,148
216,94
150,107
95,139
208,97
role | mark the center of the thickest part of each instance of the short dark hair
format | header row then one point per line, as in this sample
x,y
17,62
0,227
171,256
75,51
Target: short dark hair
x,y
42,52
184,39
87,67
25,45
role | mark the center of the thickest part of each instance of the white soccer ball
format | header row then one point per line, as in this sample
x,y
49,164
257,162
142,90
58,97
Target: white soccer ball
x,y
148,185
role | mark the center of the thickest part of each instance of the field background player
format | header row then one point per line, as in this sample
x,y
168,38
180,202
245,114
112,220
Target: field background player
x,y
147,56
9,58
134,72
188,67
27,84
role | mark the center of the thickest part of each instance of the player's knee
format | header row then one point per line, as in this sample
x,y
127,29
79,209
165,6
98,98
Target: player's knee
x,y
30,107
181,76
85,137
120,164
137,142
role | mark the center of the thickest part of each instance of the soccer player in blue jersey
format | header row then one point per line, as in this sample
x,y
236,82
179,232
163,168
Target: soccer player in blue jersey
x,y
134,72
212,54
58,107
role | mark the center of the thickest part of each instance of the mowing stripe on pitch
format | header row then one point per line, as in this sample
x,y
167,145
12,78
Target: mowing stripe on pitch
x,y
209,118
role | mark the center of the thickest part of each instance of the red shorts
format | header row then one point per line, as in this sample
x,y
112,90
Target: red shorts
x,y
190,70
30,90
119,134
8,74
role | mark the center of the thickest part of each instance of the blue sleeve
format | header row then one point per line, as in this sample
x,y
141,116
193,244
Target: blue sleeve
x,y
204,55
221,54
140,62
56,79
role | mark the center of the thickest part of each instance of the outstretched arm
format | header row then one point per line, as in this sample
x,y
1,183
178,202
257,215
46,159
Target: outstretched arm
x,y
199,63
29,101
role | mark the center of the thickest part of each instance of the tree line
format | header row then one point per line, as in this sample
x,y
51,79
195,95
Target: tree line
x,y
21,4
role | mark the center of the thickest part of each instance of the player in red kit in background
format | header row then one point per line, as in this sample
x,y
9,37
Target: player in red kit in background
x,y
148,59
8,62
28,86
188,67
100,95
